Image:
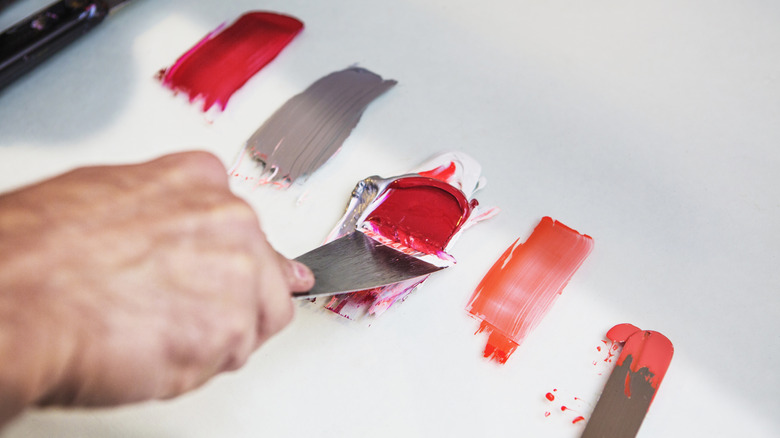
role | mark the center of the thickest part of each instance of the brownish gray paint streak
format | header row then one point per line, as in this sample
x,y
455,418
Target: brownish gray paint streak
x,y
310,127
618,415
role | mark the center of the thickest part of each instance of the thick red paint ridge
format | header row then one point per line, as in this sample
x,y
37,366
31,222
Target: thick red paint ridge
x,y
420,213
524,282
452,178
226,58
648,349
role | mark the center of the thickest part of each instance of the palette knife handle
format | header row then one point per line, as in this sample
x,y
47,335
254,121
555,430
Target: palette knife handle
x,y
31,41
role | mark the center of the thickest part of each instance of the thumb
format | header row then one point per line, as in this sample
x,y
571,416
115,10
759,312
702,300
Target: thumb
x,y
299,277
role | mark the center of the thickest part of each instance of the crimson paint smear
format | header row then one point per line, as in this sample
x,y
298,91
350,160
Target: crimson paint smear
x,y
225,59
420,213
524,282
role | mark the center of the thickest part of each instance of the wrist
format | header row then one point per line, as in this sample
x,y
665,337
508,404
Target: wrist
x,y
34,346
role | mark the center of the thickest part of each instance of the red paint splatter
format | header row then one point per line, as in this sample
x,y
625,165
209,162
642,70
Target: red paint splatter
x,y
420,213
524,282
565,408
226,58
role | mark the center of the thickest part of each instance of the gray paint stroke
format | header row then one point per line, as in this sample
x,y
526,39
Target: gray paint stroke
x,y
310,127
617,415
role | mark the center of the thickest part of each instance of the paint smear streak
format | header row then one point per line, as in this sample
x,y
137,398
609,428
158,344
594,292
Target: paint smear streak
x,y
648,349
228,57
522,285
633,383
310,127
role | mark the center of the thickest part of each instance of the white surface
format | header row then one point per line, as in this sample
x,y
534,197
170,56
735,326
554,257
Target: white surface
x,y
651,126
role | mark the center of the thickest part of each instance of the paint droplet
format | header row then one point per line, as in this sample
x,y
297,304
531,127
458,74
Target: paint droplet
x,y
578,419
547,414
550,396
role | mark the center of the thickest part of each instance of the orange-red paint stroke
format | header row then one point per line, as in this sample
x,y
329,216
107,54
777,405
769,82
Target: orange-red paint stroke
x,y
524,282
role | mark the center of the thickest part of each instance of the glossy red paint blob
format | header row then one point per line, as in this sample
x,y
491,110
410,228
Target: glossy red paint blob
x,y
225,59
550,396
524,282
648,349
420,213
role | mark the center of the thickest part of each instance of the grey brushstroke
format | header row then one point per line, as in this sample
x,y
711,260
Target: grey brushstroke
x,y
617,415
310,127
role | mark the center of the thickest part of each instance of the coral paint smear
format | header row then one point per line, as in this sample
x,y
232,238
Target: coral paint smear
x,y
226,58
524,282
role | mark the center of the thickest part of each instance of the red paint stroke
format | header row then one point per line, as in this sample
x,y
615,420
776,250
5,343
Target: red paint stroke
x,y
442,173
524,282
225,59
420,213
578,419
649,349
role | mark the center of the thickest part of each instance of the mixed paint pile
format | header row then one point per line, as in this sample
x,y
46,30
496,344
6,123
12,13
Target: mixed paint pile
x,y
636,373
421,213
631,387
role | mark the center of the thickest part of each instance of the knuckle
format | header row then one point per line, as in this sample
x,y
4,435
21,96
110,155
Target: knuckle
x,y
192,167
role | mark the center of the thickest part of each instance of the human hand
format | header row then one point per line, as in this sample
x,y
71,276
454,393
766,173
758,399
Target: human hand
x,y
126,283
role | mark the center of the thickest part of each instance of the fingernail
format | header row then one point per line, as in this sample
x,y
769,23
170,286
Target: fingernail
x,y
301,271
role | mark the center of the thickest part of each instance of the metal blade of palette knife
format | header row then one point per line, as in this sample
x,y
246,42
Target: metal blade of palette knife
x,y
357,262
